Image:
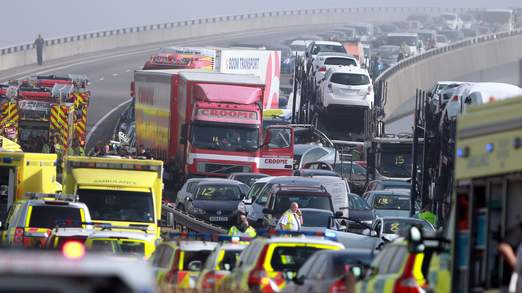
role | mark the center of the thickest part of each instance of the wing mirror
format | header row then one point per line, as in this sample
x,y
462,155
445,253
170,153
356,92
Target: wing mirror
x,y
195,266
298,280
267,211
338,214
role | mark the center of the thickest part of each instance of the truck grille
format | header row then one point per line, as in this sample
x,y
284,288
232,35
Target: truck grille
x,y
222,168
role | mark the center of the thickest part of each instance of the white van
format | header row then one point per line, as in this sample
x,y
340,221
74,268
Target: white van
x,y
338,188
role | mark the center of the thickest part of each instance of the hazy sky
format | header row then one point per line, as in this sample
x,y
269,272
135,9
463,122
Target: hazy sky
x,y
22,20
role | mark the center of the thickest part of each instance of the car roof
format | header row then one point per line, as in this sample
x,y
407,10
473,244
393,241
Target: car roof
x,y
327,43
248,174
390,192
392,181
264,179
401,218
117,234
300,240
349,69
204,179
223,182
69,231
231,246
294,180
334,54
318,172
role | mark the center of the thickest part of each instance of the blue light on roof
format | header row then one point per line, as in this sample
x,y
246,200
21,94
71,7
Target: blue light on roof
x,y
490,147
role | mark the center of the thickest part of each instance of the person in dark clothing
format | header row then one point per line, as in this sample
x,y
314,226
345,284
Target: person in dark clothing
x,y
143,152
39,44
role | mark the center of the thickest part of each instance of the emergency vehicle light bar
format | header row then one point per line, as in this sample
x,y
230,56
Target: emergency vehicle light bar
x,y
121,166
274,232
56,196
208,237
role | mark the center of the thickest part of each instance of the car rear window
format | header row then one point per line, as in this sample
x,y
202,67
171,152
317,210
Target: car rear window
x,y
50,216
218,193
286,258
191,256
402,225
304,200
340,61
229,260
350,79
391,202
132,247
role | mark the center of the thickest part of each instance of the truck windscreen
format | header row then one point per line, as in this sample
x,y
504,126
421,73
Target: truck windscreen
x,y
226,137
395,162
118,205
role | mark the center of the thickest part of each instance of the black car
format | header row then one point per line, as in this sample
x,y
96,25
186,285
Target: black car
x,y
360,213
247,178
329,270
387,184
280,198
218,201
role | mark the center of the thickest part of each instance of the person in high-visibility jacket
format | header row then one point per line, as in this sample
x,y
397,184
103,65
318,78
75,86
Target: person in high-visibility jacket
x,y
292,219
244,230
427,215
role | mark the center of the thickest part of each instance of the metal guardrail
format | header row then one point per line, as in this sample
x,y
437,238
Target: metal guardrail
x,y
218,19
381,79
186,222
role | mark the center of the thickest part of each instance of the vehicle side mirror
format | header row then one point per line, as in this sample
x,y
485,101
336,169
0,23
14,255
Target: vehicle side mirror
x,y
170,219
338,214
299,280
188,198
267,211
415,240
195,266
183,134
357,272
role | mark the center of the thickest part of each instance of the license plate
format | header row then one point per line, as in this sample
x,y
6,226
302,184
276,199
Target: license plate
x,y
218,219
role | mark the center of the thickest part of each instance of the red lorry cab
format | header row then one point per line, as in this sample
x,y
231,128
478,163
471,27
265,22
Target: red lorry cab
x,y
208,124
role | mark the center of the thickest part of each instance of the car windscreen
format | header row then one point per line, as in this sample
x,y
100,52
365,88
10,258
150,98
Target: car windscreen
x,y
341,261
340,61
355,202
132,247
316,219
46,216
391,202
350,79
328,48
217,192
224,137
118,205
396,226
290,258
190,256
255,189
283,201
229,260
102,245
248,179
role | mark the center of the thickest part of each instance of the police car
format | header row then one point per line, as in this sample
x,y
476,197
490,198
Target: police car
x,y
177,264
268,263
219,264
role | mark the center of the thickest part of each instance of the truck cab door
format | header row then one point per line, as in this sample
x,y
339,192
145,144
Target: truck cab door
x,y
277,151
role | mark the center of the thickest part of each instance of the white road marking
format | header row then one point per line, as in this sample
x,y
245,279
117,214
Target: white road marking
x,y
93,129
102,78
115,74
128,70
